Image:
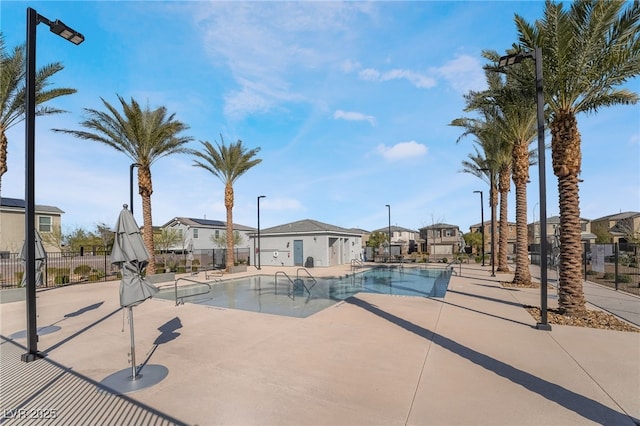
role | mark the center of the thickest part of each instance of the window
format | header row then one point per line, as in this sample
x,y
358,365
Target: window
x,y
195,234
44,223
448,233
217,233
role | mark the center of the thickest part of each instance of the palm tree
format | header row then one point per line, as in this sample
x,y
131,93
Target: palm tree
x,y
496,163
227,163
12,94
516,118
589,52
144,136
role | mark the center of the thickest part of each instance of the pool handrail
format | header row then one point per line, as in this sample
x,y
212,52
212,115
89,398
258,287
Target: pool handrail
x,y
457,261
302,281
175,286
275,284
356,263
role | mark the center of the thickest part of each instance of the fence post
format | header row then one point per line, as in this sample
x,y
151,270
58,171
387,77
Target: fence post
x,y
615,249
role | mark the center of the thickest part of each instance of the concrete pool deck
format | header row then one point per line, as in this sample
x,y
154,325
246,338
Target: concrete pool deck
x,y
473,357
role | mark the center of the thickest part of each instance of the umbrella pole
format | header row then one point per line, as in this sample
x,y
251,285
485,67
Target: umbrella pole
x,y
134,373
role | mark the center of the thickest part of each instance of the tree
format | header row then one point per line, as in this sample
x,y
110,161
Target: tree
x,y
144,136
106,235
494,160
165,239
515,116
227,163
376,239
12,94
589,52
473,239
55,238
221,239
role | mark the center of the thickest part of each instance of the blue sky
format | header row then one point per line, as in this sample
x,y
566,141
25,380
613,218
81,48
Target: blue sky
x,y
349,103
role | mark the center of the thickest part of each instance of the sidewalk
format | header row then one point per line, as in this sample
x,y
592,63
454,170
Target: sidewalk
x,y
623,305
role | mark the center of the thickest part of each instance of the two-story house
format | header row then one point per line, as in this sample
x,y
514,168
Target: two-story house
x,y
511,236
622,227
441,240
403,240
47,218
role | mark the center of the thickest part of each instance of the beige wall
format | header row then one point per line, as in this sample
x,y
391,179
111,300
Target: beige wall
x,y
12,229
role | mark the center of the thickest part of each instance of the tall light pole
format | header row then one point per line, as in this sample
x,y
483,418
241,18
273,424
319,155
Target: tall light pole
x,y
493,225
131,185
259,253
481,221
57,27
506,61
389,210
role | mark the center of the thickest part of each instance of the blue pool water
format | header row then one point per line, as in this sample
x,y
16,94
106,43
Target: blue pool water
x,y
302,296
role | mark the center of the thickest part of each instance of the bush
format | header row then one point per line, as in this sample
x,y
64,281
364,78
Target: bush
x,y
82,270
592,272
624,278
61,279
19,276
94,277
195,262
181,270
445,260
608,276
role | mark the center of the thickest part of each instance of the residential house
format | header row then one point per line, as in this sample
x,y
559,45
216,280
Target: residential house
x,y
198,234
12,221
307,243
552,233
511,236
621,227
403,240
441,240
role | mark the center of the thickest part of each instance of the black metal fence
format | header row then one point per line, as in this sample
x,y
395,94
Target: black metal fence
x,y
614,265
75,267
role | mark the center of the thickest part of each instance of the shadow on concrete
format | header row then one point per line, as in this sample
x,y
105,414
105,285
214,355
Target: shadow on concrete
x,y
583,406
63,396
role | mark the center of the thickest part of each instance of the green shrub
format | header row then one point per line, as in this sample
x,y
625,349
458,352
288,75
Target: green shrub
x,y
445,260
196,262
194,268
181,269
82,270
95,277
608,276
61,279
19,276
592,272
624,278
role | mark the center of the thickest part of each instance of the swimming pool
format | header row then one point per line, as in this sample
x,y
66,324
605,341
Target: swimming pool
x,y
303,296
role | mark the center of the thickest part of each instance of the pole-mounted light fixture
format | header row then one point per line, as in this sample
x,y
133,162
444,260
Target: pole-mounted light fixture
x,y
131,185
389,209
506,61
57,27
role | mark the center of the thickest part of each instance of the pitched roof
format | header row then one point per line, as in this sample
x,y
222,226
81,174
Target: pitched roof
x,y
206,223
395,229
618,216
308,226
17,203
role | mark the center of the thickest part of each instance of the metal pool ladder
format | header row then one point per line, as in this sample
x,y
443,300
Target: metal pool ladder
x,y
181,301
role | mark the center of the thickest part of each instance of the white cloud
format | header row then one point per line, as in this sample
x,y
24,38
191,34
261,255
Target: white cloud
x,y
402,150
354,116
634,139
348,66
463,73
421,81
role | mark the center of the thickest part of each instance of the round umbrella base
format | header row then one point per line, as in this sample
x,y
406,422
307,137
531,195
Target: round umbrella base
x,y
41,331
122,383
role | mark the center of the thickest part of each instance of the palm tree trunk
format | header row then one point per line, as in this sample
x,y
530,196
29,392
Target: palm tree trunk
x,y
522,275
566,156
504,184
3,156
494,223
228,203
145,189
